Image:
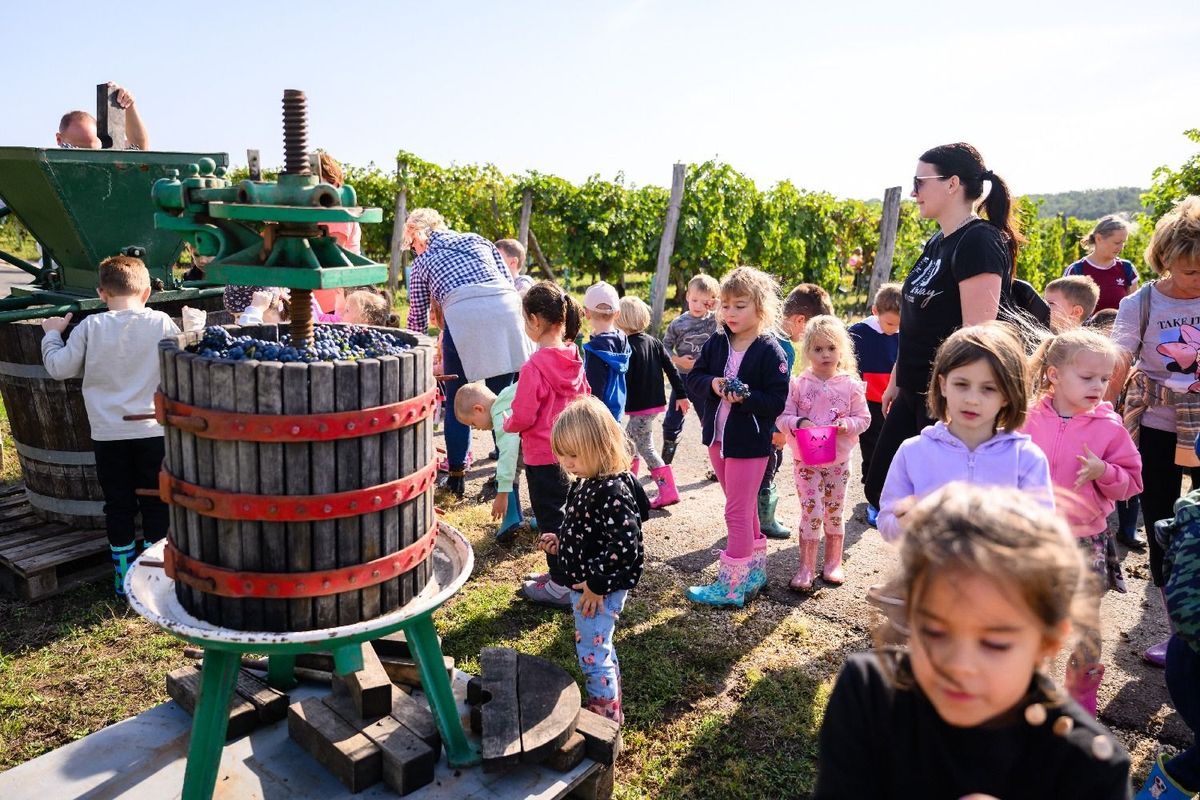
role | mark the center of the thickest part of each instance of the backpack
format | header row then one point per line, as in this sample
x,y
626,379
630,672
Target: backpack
x,y
1180,539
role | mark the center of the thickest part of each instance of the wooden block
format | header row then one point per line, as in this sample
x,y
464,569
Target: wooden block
x,y
417,717
597,786
569,755
475,718
271,704
183,685
403,671
475,694
353,758
549,700
395,645
501,715
408,762
371,687
603,737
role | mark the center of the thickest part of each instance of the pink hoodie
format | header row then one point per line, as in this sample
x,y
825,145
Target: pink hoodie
x,y
550,379
842,397
1062,440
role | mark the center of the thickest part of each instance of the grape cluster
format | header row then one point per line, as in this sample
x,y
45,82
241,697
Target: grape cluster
x,y
330,343
736,386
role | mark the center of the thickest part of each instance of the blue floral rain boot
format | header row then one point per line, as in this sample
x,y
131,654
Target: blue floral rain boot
x,y
757,579
1161,786
730,586
123,557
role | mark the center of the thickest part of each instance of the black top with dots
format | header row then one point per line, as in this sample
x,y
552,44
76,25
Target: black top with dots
x,y
600,540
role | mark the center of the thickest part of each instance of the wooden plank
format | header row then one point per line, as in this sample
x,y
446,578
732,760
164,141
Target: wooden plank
x,y
597,786
353,759
389,470
501,715
369,688
371,525
408,762
603,737
396,260
569,755
662,269
60,579
349,476
45,551
416,715
59,556
395,645
549,700
181,458
296,466
245,380
889,221
210,549
222,385
270,704
36,532
273,535
526,213
183,685
403,672
409,457
324,479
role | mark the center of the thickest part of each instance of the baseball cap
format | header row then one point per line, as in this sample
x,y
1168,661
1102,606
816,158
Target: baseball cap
x,y
602,297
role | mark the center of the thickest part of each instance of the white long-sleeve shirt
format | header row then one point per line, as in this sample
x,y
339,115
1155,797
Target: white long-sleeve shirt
x,y
117,352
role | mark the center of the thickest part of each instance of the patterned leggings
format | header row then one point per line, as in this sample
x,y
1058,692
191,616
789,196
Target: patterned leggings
x,y
594,646
822,492
640,430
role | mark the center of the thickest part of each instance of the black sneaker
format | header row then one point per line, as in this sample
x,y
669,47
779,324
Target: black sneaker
x,y
456,483
668,450
1132,539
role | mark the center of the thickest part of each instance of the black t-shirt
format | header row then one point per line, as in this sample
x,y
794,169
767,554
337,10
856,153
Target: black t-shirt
x,y
879,741
930,307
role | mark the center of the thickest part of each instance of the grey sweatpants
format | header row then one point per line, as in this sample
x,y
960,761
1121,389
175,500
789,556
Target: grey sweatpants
x,y
640,430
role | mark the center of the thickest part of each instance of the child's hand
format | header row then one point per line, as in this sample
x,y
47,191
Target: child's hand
x,y
500,505
840,424
903,507
1091,467
56,324
778,439
261,300
683,406
718,386
805,423
687,362
591,602
548,543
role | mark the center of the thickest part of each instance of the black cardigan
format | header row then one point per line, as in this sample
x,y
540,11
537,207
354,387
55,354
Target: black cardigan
x,y
764,370
643,382
600,539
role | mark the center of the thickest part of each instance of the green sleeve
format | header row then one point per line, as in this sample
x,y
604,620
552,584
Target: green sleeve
x,y
509,444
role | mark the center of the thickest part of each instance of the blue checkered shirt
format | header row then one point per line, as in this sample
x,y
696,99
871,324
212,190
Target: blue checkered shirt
x,y
452,260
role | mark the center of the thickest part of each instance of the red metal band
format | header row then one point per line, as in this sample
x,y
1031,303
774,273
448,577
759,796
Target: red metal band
x,y
211,423
287,585
293,507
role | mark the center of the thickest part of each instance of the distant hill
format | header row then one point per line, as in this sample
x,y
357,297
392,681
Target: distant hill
x,y
1090,203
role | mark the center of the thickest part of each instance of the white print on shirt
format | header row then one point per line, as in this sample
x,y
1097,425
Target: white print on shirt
x,y
1180,349
926,271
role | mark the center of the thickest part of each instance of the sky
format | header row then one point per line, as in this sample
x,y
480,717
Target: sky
x,y
834,96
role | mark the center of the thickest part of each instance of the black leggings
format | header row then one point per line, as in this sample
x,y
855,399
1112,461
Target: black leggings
x,y
906,418
1163,482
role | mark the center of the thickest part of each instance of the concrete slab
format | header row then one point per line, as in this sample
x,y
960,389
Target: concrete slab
x,y
144,758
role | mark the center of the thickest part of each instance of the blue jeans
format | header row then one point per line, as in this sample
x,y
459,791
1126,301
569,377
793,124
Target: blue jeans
x,y
594,646
458,435
1183,682
673,419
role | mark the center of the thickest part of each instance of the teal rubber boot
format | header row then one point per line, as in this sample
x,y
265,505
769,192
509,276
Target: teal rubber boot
x,y
1161,786
768,501
757,580
123,557
730,586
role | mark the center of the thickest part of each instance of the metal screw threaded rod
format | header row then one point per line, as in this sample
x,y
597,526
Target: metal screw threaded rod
x,y
295,133
301,326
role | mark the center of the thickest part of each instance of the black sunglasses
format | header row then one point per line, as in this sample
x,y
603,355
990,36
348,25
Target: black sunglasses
x,y
918,178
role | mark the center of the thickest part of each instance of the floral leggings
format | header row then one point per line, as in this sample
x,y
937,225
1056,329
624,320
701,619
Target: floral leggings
x,y
822,492
594,646
640,430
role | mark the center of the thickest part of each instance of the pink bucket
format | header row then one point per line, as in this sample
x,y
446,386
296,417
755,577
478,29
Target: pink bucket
x,y
817,445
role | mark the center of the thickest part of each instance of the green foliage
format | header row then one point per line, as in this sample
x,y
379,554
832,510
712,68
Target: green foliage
x,y
714,220
1090,203
1172,185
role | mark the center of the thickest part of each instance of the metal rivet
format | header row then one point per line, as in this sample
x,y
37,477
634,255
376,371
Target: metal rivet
x,y
327,584
273,589
375,574
273,509
323,427
395,417
299,587
374,422
377,500
328,509
245,507
248,586
353,579
295,430
353,504
267,429
300,509
349,426
241,426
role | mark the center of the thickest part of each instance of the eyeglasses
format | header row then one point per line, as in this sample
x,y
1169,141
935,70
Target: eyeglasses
x,y
918,178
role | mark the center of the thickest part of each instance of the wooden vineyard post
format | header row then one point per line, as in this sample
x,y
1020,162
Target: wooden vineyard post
x,y
543,262
396,263
662,272
889,221
526,212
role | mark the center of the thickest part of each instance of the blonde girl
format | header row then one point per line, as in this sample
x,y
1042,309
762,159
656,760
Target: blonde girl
x,y
988,590
827,392
740,382
978,394
599,542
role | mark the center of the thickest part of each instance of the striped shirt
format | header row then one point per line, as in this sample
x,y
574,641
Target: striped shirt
x,y
452,260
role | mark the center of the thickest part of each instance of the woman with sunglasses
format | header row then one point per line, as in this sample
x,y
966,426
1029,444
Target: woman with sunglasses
x,y
959,280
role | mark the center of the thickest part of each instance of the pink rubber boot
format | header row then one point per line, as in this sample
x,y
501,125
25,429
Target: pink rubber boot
x,y
668,495
634,466
1082,685
832,573
808,565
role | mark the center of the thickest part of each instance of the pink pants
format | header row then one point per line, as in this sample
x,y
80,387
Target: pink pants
x,y
740,479
822,492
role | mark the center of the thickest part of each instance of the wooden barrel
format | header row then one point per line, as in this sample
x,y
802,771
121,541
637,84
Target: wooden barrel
x,y
50,429
330,559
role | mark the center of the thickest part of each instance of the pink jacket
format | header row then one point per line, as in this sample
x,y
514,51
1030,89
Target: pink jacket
x,y
550,379
842,397
1062,440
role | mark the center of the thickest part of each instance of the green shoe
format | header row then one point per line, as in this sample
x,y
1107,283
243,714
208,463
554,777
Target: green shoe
x,y
730,586
123,557
768,500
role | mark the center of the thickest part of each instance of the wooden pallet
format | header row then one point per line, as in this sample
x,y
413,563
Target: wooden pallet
x,y
39,559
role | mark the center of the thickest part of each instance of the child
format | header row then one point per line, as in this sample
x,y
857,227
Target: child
x,y
479,407
514,258
1180,539
802,304
645,398
117,353
365,307
1115,276
986,593
1093,462
551,378
599,544
828,392
607,358
266,306
876,343
977,394
1156,327
741,378
686,334
1072,300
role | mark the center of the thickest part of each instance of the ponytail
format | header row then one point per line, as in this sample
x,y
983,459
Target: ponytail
x,y
552,305
574,318
998,207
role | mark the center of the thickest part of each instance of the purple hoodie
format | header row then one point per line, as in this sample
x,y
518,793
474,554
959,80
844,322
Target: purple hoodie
x,y
936,457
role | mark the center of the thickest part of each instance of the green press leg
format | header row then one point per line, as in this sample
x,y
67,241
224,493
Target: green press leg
x,y
209,723
281,672
423,641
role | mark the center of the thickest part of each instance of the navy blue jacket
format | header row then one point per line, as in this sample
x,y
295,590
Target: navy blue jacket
x,y
764,369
